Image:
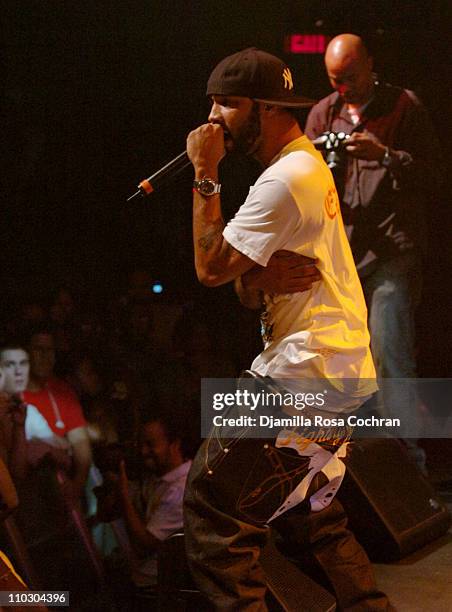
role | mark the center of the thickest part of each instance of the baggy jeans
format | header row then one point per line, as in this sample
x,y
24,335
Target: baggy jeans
x,y
234,486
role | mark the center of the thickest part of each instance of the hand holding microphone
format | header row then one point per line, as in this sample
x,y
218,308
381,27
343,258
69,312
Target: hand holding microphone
x,y
205,147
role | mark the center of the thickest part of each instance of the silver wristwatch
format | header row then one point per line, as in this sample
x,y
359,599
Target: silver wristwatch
x,y
207,186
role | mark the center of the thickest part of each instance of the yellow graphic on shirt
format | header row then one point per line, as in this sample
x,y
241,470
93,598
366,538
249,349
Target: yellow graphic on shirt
x,y
331,203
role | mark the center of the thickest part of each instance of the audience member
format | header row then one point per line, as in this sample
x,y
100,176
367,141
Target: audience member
x,y
96,402
152,510
26,437
59,405
34,454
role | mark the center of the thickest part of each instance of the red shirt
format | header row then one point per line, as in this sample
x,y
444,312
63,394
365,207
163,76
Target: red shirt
x,y
59,405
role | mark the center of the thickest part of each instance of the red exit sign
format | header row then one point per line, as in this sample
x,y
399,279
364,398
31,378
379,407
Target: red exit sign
x,y
306,43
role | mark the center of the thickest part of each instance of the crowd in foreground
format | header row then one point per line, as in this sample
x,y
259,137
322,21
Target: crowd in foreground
x,y
99,420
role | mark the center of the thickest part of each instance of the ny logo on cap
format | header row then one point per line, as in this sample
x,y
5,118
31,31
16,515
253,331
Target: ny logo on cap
x,y
288,82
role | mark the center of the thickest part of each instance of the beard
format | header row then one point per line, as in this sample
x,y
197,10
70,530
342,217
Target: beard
x,y
247,139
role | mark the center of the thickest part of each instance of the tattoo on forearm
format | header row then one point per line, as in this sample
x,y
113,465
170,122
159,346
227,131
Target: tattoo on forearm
x,y
205,242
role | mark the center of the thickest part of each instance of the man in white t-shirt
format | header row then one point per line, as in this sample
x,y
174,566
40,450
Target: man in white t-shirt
x,y
238,487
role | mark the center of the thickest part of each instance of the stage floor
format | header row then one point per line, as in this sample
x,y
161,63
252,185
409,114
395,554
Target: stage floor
x,y
422,582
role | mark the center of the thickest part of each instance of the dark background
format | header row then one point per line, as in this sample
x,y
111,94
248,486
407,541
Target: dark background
x,y
97,95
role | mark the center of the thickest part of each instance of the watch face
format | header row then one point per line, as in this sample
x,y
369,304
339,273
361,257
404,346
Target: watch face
x,y
207,187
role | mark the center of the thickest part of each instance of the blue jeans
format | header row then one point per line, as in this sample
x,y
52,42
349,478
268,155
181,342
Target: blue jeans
x,y
392,294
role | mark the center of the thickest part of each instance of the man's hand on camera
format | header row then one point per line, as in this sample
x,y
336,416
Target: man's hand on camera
x,y
364,145
286,272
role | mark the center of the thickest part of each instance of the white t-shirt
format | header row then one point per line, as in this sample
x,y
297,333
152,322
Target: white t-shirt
x,y
37,428
321,333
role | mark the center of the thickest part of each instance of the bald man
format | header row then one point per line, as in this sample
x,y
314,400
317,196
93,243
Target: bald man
x,y
387,173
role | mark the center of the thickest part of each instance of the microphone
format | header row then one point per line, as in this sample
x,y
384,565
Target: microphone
x,y
166,173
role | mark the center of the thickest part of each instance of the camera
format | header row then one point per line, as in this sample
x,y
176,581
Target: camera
x,y
332,146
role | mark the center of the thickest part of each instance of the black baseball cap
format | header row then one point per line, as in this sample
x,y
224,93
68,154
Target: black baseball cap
x,y
256,74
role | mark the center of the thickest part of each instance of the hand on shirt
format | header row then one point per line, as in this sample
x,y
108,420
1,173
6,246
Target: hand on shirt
x,y
286,272
364,145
